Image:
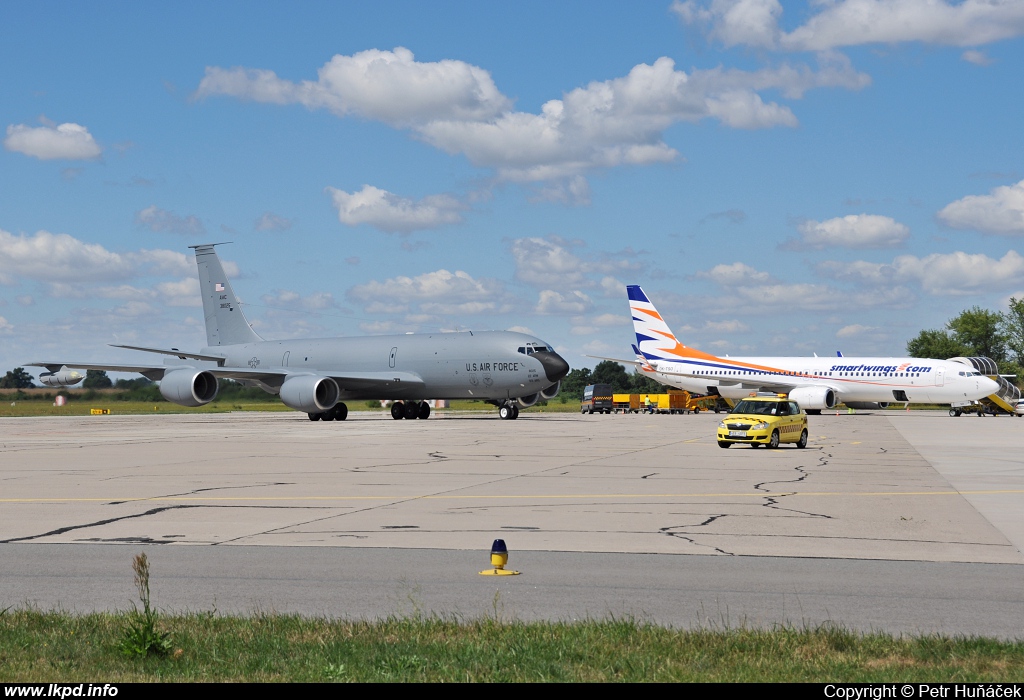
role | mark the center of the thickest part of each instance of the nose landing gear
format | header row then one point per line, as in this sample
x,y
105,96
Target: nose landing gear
x,y
508,411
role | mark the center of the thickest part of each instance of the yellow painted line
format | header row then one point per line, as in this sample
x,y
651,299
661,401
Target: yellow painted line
x,y
789,494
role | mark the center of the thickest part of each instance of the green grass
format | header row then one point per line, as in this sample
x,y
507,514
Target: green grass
x,y
52,646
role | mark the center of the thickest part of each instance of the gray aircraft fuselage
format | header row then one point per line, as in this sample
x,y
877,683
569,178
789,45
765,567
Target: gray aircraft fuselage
x,y
464,365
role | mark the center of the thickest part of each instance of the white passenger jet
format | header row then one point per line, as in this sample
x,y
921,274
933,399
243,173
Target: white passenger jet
x,y
815,383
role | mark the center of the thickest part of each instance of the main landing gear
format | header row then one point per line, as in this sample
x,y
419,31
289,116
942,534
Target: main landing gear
x,y
508,411
339,412
410,410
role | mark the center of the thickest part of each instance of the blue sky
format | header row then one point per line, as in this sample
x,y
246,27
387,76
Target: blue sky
x,y
780,178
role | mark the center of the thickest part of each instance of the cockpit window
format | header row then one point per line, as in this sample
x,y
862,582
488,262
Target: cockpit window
x,y
532,348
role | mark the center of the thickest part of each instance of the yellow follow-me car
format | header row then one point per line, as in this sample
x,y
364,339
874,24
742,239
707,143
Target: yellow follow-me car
x,y
764,420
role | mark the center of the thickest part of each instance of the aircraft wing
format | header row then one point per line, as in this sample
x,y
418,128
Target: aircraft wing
x,y
153,372
181,355
273,377
766,383
347,381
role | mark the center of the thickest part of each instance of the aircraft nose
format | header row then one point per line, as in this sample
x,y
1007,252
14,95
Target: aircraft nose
x,y
554,366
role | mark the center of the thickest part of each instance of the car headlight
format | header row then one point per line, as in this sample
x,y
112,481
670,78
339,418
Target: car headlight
x,y
722,425
759,426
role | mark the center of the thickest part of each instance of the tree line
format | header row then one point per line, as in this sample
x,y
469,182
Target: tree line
x,y
978,332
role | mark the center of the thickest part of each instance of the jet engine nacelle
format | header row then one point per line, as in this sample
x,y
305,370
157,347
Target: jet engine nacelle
x,y
527,401
814,397
551,392
62,377
310,393
866,405
189,387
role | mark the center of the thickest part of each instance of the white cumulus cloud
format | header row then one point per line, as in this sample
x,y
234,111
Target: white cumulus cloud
x,y
854,330
552,302
270,221
940,274
978,58
457,108
999,212
394,214
439,292
62,142
728,274
843,23
389,86
163,221
75,269
853,231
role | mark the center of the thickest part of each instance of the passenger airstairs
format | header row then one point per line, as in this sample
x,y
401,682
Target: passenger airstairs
x,y
1007,396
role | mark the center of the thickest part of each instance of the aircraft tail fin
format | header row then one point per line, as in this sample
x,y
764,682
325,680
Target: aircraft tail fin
x,y
654,339
225,322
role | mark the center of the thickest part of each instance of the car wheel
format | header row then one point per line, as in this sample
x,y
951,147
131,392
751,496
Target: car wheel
x,y
952,413
696,410
723,444
802,442
774,441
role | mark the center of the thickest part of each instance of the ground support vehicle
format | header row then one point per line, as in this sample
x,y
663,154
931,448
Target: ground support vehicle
x,y
983,407
626,403
764,420
674,402
597,398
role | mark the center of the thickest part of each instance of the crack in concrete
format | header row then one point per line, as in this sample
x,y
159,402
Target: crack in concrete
x,y
669,531
203,490
773,501
152,511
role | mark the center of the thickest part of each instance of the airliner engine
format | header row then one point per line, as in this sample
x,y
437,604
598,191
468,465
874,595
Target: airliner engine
x,y
527,401
188,387
62,377
551,392
310,393
813,397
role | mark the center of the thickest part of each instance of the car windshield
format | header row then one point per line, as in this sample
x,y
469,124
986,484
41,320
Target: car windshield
x,y
757,408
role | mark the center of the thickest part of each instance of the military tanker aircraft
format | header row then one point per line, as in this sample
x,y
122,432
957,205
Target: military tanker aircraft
x,y
510,370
